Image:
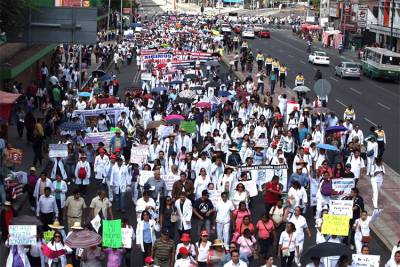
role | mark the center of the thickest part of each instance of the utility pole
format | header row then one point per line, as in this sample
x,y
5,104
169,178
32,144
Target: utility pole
x,y
391,27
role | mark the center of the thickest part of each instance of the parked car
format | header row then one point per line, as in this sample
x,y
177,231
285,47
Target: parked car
x,y
264,33
257,28
225,28
319,57
348,70
248,33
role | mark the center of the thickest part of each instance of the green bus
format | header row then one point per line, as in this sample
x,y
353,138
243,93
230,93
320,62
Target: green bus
x,y
381,63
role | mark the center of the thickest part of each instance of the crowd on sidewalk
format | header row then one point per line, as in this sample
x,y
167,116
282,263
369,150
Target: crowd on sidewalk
x,y
193,149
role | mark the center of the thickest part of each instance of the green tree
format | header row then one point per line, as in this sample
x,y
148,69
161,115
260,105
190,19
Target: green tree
x,y
13,14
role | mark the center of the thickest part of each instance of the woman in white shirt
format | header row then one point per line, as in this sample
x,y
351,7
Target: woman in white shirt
x,y
297,197
240,195
377,172
269,262
288,245
201,182
301,225
361,227
202,248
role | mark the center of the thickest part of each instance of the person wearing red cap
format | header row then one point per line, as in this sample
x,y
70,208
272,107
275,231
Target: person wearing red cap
x,y
184,260
149,261
185,243
117,141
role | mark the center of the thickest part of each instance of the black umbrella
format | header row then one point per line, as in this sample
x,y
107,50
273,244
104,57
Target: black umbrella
x,y
213,84
325,249
184,100
26,220
190,76
98,73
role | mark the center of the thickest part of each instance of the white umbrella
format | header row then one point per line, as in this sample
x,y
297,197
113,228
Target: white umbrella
x,y
302,89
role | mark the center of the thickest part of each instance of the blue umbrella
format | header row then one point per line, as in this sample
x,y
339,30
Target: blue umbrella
x,y
327,147
105,78
336,128
71,126
224,94
159,89
84,94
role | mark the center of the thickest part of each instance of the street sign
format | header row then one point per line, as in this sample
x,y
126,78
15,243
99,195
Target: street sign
x,y
58,25
322,88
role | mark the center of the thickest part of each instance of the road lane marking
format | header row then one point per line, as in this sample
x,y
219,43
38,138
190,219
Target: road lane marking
x,y
333,78
341,103
373,123
302,62
355,91
382,88
289,55
384,106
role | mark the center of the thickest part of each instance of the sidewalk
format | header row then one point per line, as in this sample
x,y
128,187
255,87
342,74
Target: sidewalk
x,y
387,226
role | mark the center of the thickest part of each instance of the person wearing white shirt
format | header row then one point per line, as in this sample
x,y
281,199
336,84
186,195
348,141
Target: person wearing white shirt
x,y
80,104
316,262
185,211
224,209
394,260
301,225
145,203
288,244
82,174
356,132
203,162
317,135
47,208
372,152
357,164
361,227
205,127
377,173
235,260
100,165
119,181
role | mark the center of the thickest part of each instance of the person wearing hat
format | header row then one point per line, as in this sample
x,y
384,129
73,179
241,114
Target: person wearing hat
x,y
203,248
164,249
149,262
185,243
82,173
234,158
184,258
120,179
216,255
117,141
6,216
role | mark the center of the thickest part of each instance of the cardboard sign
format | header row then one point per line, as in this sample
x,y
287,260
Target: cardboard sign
x,y
139,154
265,173
144,177
214,196
58,150
169,181
15,156
359,260
146,76
335,225
341,207
22,235
96,223
126,237
262,142
251,187
189,126
112,234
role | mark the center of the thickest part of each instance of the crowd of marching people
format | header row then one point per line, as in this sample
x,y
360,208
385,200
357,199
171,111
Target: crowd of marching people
x,y
180,163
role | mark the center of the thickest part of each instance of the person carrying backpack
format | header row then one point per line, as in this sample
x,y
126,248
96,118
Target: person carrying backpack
x,y
82,173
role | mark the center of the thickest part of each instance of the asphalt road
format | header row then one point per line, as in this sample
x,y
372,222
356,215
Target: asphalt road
x,y
375,102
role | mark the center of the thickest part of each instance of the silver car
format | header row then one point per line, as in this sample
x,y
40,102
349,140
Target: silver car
x,y
348,70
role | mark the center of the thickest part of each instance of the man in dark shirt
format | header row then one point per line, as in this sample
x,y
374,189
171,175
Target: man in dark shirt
x,y
164,249
347,171
204,209
358,207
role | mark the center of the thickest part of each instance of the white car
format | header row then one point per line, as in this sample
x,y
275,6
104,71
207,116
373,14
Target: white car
x,y
225,28
319,57
257,28
248,33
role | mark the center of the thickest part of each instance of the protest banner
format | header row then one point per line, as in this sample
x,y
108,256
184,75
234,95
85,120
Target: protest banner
x,y
261,142
14,155
165,131
341,207
335,225
343,185
144,177
139,154
126,237
96,223
189,126
145,76
265,173
169,180
95,138
360,260
251,187
112,234
313,192
89,116
22,234
58,150
48,235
